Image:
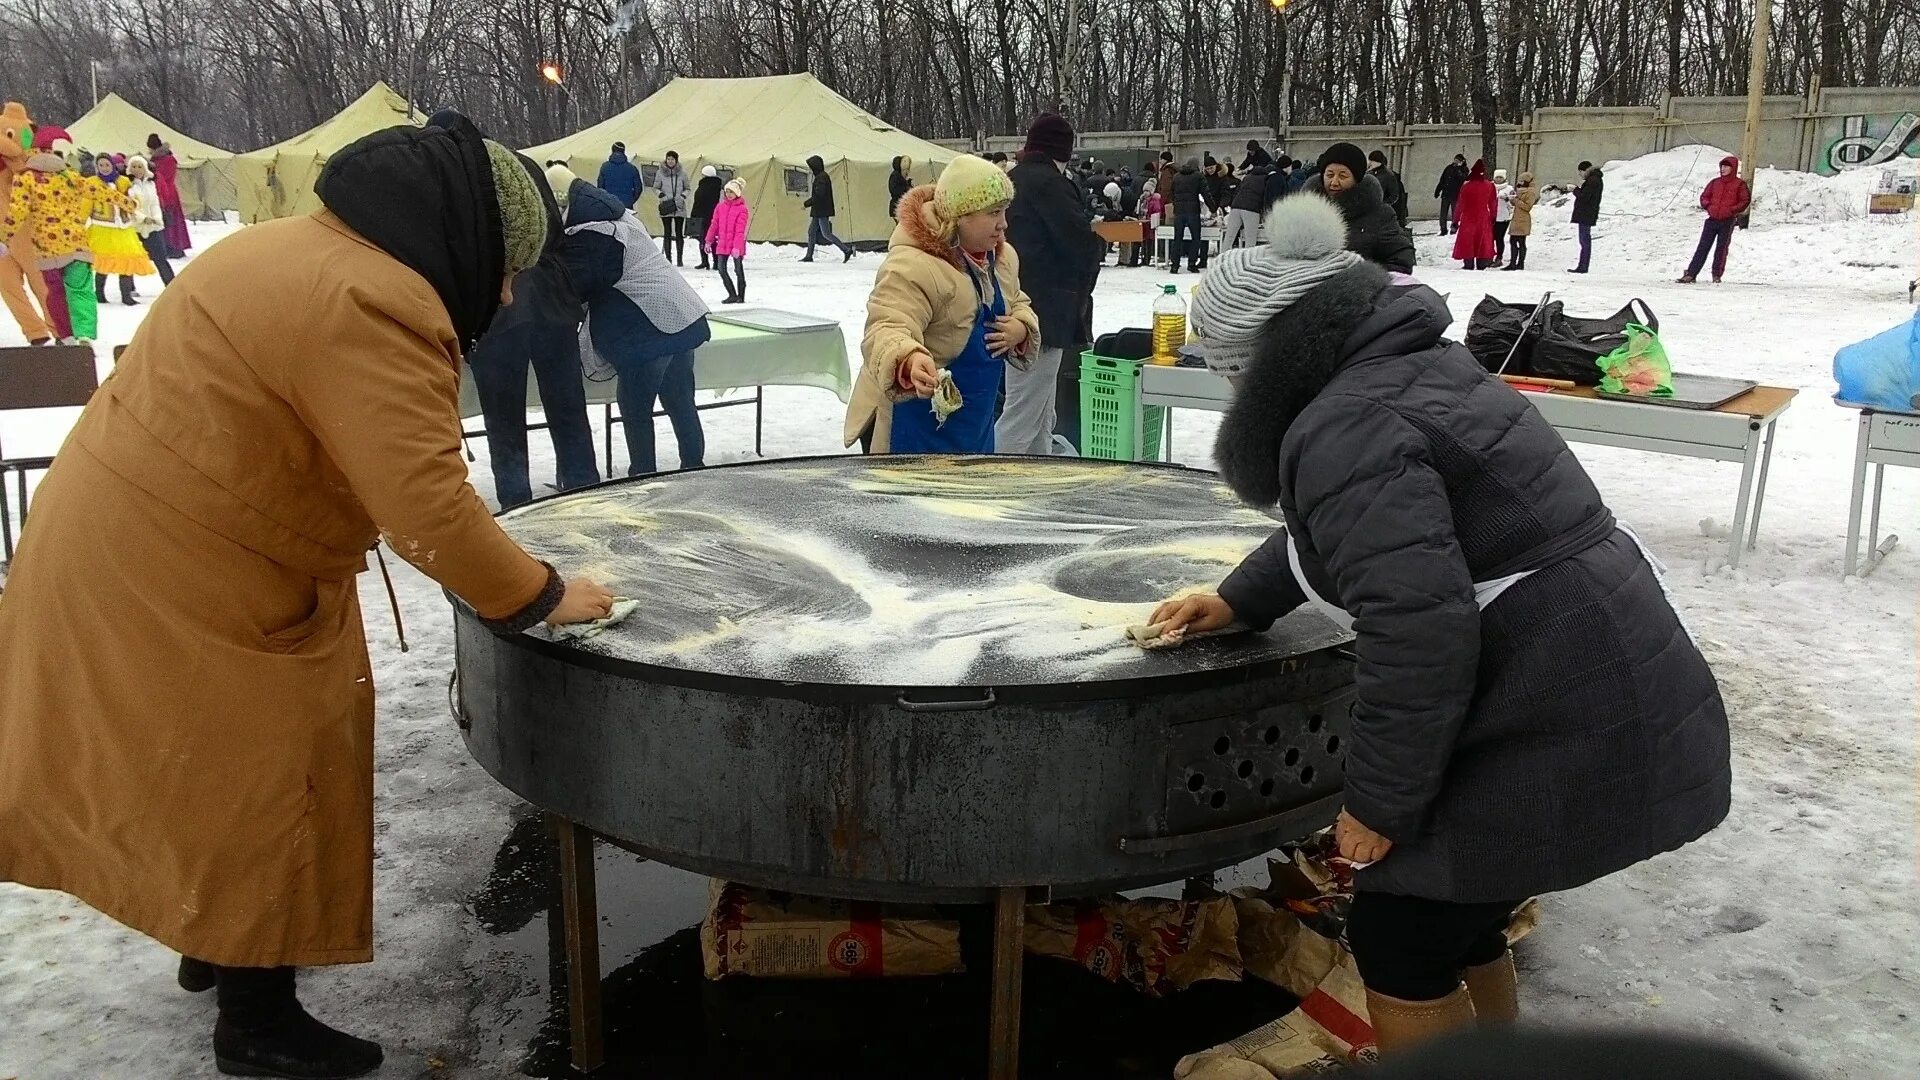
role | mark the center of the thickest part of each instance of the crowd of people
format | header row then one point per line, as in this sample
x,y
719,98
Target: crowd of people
x,y
75,219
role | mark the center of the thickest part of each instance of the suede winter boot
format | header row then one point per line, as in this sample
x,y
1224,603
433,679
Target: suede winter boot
x,y
1398,1025
263,1031
1495,991
195,975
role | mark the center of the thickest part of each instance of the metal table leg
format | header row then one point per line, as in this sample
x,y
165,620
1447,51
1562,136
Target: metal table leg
x,y
1760,492
1746,497
580,910
608,414
759,418
1859,494
1009,956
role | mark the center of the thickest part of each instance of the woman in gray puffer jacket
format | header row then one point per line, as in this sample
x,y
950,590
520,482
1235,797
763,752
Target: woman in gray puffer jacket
x,y
671,180
1531,715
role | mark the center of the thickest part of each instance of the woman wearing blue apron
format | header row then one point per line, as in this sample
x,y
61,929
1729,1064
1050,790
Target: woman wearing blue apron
x,y
1531,714
946,315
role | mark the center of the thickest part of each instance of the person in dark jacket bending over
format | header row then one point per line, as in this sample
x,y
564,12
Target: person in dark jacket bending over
x,y
1060,257
1372,229
620,178
1531,713
1452,179
1586,211
1243,213
706,199
1392,188
820,209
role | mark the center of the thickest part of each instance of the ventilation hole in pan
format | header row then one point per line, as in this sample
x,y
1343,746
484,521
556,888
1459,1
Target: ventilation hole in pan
x,y
1196,782
1293,756
1333,744
1306,775
1245,770
1316,722
1221,745
1271,735
1219,800
1266,788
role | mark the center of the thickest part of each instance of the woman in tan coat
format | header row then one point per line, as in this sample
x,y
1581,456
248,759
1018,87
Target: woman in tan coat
x,y
1524,196
186,718
946,314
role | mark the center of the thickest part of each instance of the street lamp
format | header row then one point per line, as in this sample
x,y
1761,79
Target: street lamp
x,y
550,71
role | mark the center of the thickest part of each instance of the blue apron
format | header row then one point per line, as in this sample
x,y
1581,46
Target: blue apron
x,y
977,374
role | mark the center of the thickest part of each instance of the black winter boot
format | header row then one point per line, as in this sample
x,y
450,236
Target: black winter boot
x,y
263,1031
195,975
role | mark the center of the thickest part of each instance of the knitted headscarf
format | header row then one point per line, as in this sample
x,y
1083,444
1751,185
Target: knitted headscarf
x,y
1306,241
523,213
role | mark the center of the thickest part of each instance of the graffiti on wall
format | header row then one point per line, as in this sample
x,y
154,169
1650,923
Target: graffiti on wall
x,y
1858,147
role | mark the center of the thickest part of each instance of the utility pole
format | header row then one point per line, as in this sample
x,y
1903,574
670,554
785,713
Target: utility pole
x,y
1756,88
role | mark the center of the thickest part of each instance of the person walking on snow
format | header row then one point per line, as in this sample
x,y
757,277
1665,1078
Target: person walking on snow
x,y
1525,195
1502,215
1437,514
1060,258
727,239
1726,198
671,179
149,220
187,714
820,210
619,177
1586,211
706,199
166,179
1452,179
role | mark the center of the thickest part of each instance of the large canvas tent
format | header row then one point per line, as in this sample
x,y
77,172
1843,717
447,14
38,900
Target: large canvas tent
x,y
277,181
762,130
116,125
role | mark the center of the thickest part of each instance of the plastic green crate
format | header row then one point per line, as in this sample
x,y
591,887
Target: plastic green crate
x,y
1109,406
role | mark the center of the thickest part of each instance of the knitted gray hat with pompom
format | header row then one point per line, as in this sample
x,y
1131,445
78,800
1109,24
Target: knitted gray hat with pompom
x,y
1306,243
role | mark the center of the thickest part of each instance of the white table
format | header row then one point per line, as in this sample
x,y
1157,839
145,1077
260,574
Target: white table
x,y
1741,430
1210,235
1886,438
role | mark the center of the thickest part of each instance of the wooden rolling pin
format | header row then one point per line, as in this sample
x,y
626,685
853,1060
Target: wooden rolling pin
x,y
1535,380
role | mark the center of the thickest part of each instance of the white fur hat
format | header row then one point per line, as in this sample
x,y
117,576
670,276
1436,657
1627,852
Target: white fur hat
x,y
1306,244
708,170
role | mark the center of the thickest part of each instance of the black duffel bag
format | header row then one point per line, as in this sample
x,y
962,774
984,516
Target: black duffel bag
x,y
1570,347
1494,331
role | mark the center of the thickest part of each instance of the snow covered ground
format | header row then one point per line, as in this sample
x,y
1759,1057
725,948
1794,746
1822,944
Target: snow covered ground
x,y
1795,926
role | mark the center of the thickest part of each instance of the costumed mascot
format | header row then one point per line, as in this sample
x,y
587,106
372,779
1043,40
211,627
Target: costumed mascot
x,y
19,258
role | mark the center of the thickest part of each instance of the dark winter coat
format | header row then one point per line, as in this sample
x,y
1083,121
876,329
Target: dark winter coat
x,y
1372,229
1393,190
898,184
597,264
820,203
620,179
1059,251
1451,180
1567,731
1726,197
706,197
1189,193
1257,157
1221,188
1252,193
1586,198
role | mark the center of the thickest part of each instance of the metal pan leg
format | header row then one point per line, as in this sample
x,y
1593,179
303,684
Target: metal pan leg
x,y
1009,957
581,912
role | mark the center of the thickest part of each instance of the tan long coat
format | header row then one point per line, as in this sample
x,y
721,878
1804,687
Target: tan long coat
x,y
186,718
923,299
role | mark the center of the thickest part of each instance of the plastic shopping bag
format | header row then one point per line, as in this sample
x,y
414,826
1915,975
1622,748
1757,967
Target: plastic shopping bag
x,y
1639,367
1882,371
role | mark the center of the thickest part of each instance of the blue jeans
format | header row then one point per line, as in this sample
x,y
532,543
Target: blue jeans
x,y
820,231
1197,252
669,379
499,362
1586,246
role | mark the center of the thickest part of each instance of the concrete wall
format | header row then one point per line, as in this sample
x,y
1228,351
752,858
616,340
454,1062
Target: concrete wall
x,y
1864,126
1430,149
1722,121
1563,138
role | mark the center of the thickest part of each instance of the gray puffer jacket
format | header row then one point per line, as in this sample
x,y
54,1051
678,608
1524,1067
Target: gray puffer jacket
x,y
1570,729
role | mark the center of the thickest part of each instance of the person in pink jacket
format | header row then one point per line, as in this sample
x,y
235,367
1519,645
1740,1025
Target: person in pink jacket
x,y
727,239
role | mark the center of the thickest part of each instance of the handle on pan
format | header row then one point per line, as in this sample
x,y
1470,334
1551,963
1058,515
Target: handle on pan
x,y
987,701
1297,822
453,701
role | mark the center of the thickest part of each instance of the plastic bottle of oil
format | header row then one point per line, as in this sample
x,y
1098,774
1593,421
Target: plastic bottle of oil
x,y
1169,326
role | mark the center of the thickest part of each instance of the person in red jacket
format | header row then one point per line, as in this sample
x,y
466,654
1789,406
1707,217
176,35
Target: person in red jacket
x,y
1473,236
1726,197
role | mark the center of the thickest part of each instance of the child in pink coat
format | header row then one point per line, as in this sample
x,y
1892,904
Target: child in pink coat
x,y
727,239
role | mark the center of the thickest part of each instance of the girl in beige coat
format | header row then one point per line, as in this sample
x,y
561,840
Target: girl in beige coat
x,y
946,313
1525,195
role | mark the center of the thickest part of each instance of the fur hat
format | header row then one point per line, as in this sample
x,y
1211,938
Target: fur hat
x,y
523,211
1526,179
1050,134
1112,192
969,185
136,159
1500,176
1306,243
1344,153
735,186
708,170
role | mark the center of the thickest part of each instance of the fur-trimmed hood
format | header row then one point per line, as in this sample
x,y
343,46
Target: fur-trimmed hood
x,y
1352,318
920,228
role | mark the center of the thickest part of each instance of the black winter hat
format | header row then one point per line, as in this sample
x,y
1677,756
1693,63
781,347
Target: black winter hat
x,y
1345,153
619,148
1052,135
1379,156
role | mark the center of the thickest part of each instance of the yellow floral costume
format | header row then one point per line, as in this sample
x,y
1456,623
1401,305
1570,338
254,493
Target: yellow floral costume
x,y
110,228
